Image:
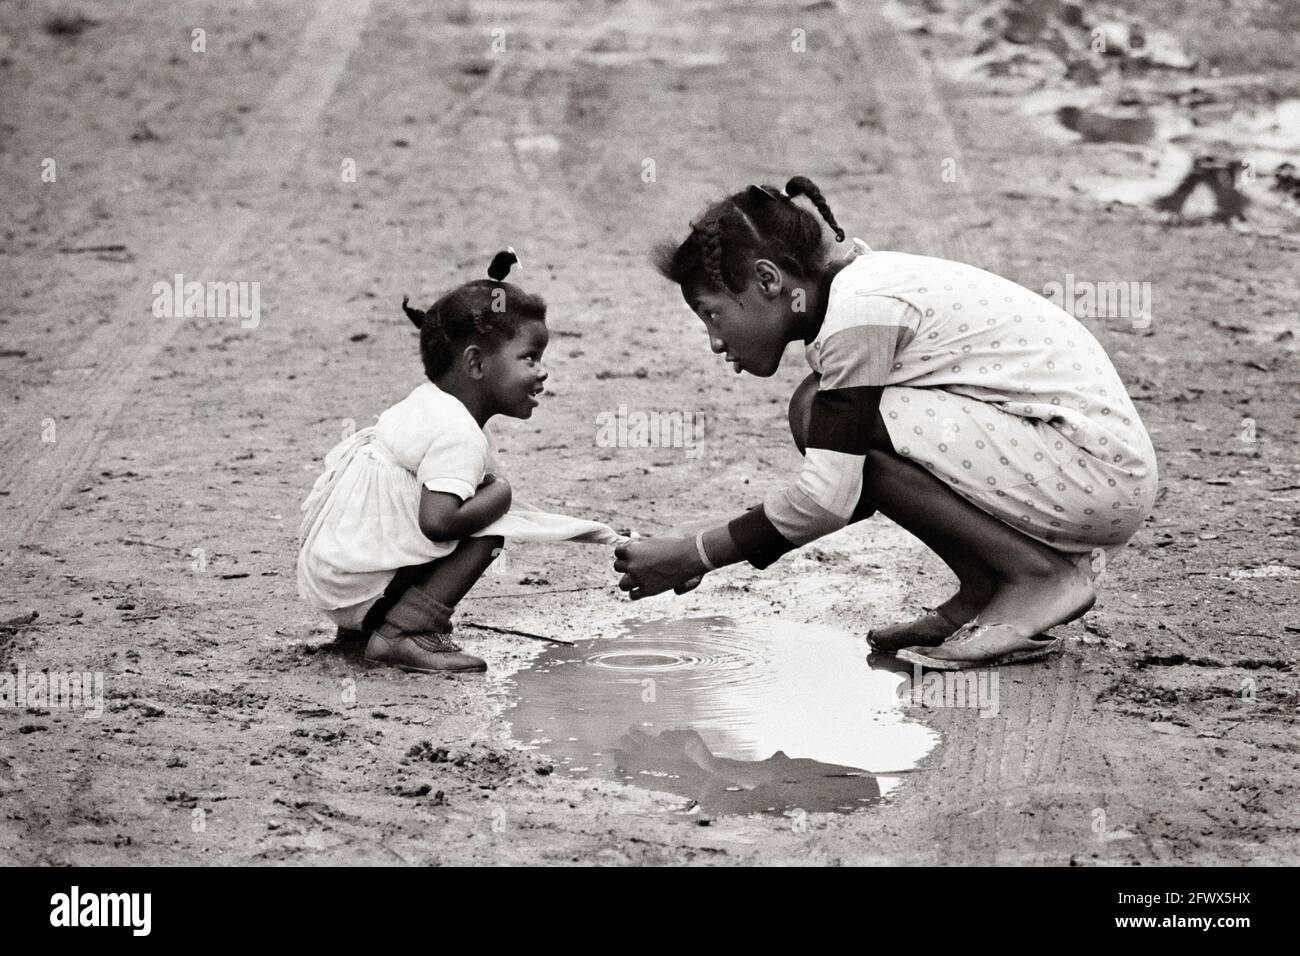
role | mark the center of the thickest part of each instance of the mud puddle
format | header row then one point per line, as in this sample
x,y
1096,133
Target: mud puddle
x,y
1216,159
735,717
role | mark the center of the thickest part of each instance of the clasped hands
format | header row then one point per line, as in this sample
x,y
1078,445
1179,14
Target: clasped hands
x,y
652,565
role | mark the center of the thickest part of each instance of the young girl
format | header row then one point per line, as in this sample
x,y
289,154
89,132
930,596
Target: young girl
x,y
979,416
410,512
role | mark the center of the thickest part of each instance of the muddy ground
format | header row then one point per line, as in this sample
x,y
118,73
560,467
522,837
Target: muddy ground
x,y
152,468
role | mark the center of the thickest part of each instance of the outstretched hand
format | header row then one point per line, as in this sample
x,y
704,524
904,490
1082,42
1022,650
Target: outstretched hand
x,y
652,566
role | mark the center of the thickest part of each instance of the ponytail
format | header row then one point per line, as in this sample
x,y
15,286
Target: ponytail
x,y
415,315
757,222
803,186
471,313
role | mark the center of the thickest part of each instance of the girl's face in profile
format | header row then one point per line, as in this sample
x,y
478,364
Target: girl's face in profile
x,y
514,374
750,329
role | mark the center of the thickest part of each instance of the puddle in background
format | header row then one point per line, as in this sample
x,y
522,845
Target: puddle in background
x,y
741,718
1256,140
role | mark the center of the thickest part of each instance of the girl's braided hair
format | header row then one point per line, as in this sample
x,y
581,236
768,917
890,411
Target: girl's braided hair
x,y
485,312
759,222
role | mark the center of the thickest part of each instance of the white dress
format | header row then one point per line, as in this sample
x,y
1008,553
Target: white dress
x,y
1001,394
363,514
362,517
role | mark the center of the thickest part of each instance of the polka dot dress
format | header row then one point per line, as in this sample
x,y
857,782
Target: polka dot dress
x,y
1001,395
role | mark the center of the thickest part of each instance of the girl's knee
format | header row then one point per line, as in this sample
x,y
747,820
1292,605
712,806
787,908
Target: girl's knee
x,y
487,547
878,459
883,472
878,435
801,405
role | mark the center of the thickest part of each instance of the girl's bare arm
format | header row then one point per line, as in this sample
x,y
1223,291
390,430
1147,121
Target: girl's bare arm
x,y
444,517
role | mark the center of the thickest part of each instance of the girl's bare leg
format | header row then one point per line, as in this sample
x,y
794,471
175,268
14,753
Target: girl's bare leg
x,y
1034,587
449,579
445,580
410,626
976,582
1005,577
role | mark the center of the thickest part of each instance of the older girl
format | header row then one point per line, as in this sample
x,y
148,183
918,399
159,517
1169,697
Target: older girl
x,y
982,418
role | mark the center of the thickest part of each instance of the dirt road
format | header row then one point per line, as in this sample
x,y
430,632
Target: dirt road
x,y
152,467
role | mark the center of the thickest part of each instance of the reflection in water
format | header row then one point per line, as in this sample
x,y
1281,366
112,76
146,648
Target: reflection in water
x,y
709,709
681,762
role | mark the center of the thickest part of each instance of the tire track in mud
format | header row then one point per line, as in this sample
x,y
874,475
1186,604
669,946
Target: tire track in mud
x,y
996,774
922,144
93,386
569,91
920,139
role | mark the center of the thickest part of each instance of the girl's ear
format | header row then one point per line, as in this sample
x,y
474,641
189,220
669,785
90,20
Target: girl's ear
x,y
472,358
769,277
